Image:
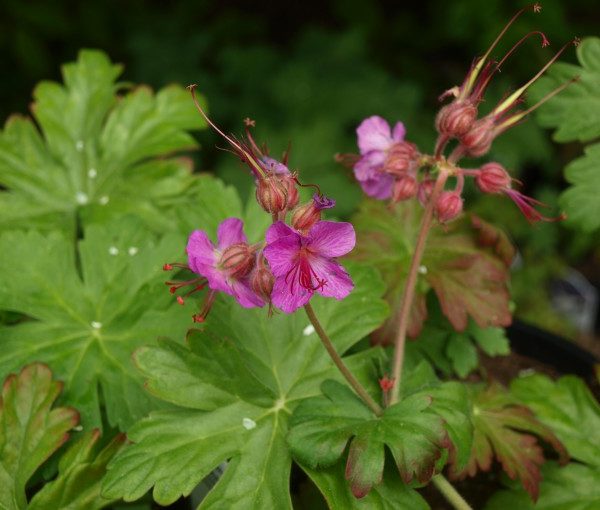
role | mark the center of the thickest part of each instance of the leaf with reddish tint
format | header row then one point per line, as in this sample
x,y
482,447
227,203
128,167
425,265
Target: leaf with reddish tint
x,y
30,430
466,264
322,427
503,429
80,473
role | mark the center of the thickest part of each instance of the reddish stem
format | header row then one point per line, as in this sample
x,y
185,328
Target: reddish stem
x,y
411,282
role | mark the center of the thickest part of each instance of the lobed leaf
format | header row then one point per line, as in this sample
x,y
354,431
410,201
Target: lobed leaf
x,y
502,429
86,325
97,154
465,263
568,408
234,387
31,430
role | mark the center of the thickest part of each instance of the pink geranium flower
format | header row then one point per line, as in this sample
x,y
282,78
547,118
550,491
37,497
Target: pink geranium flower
x,y
305,264
226,266
375,139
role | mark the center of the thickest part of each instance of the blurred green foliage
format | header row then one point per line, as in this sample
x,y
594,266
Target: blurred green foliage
x,y
308,72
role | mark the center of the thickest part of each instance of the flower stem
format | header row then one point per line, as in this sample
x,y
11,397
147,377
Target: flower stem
x,y
411,282
339,363
450,493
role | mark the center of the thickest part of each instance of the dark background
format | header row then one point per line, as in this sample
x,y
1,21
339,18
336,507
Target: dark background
x,y
310,71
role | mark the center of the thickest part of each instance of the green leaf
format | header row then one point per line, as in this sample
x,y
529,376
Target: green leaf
x,y
573,487
500,427
235,386
322,427
457,353
466,263
81,470
88,322
568,408
392,494
30,430
575,113
98,154
581,199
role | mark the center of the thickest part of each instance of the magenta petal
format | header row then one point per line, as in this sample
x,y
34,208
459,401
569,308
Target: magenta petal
x,y
231,231
338,283
244,295
277,230
369,165
200,251
399,132
380,187
216,279
287,301
331,238
282,254
373,134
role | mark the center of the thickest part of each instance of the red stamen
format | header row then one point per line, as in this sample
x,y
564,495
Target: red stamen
x,y
180,300
201,317
303,273
386,383
167,267
525,205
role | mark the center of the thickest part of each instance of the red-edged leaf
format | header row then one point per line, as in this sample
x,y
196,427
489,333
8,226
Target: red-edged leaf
x,y
500,430
30,430
466,263
322,427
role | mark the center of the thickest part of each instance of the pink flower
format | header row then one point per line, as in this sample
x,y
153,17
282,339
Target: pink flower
x,y
375,139
305,264
226,266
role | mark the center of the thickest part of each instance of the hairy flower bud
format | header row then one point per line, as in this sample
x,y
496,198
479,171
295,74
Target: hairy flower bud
x,y
405,187
448,206
425,190
272,194
306,215
401,158
262,280
493,178
292,191
237,260
478,140
456,119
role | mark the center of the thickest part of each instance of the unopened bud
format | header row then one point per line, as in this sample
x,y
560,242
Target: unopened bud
x,y
272,194
478,140
262,280
448,206
401,158
306,215
425,190
292,191
405,187
493,178
456,119
237,260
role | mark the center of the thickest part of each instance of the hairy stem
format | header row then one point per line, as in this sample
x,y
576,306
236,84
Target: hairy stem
x,y
339,363
450,493
411,282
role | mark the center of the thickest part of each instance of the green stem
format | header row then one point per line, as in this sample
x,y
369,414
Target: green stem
x,y
450,493
339,363
411,283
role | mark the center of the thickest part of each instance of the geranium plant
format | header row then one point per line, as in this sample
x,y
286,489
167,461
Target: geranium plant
x,y
280,342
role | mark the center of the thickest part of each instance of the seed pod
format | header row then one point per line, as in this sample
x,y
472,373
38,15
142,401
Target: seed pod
x,y
405,187
272,194
262,280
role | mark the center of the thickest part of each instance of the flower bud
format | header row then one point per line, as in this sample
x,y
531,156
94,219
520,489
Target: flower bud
x,y
448,206
306,215
292,191
262,280
478,140
272,194
456,119
405,188
401,158
493,178
237,260
425,190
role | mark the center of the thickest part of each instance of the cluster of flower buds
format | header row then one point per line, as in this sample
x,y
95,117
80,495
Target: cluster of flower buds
x,y
293,262
388,167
